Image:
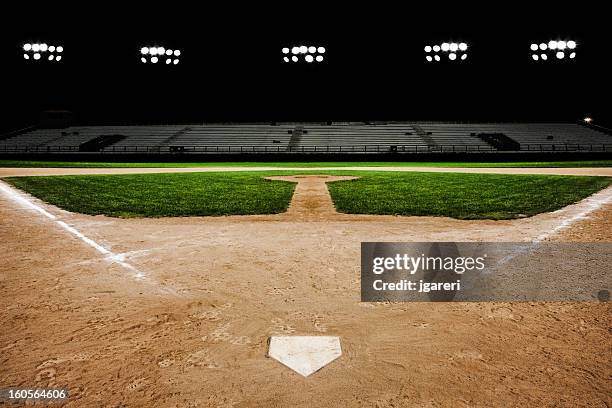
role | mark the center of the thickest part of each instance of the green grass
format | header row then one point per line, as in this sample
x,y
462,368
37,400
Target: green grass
x,y
464,196
161,195
27,163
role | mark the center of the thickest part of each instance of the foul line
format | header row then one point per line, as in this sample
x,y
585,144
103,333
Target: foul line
x,y
592,203
108,255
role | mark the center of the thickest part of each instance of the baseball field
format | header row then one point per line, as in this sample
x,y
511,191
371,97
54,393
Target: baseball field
x,y
150,284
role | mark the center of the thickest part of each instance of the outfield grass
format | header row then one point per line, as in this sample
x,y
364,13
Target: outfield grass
x,y
464,196
161,195
29,163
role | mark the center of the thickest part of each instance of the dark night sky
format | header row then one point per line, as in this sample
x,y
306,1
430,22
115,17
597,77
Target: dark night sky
x,y
232,70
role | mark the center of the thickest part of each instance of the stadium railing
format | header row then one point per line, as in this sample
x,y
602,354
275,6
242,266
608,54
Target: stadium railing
x,y
391,149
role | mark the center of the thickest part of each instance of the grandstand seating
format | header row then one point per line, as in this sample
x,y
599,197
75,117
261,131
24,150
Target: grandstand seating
x,y
315,137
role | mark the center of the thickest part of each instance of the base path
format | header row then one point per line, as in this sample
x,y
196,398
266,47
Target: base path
x,y
52,171
311,198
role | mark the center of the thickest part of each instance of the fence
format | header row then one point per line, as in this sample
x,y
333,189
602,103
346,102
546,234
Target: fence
x,y
379,149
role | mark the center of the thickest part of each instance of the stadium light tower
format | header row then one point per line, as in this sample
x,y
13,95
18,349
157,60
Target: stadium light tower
x,y
303,53
450,51
553,50
161,55
42,52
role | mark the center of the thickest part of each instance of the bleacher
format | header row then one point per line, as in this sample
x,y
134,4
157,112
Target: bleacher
x,y
360,137
233,138
347,137
530,136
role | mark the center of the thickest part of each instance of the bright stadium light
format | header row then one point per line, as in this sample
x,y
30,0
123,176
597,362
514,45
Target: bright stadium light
x,y
456,51
588,119
156,53
306,53
41,52
59,48
535,57
534,47
554,50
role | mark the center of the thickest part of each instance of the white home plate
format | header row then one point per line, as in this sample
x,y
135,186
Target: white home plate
x,y
305,354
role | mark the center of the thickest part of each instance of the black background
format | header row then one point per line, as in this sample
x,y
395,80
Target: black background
x,y
232,70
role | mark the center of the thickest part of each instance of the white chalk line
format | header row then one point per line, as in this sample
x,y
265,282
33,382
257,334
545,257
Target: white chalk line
x,y
590,204
108,255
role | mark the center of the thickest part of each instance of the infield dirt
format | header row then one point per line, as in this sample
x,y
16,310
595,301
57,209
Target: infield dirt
x,y
193,332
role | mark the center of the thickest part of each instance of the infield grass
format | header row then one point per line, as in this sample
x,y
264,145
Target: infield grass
x,y
30,163
463,196
161,195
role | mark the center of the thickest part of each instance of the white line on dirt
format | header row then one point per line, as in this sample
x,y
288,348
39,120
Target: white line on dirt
x,y
18,198
590,204
108,255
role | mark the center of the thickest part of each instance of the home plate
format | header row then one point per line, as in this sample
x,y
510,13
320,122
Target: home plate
x,y
305,354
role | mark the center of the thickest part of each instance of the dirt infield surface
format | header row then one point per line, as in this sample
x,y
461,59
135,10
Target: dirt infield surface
x,y
179,311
